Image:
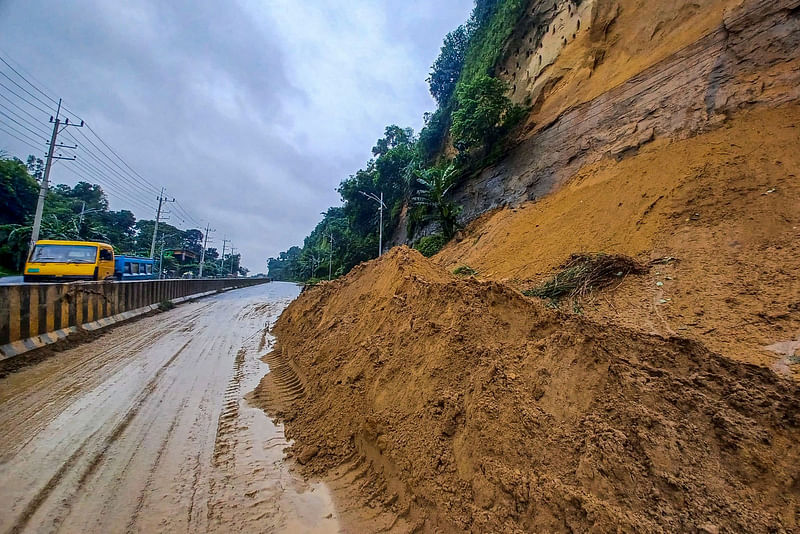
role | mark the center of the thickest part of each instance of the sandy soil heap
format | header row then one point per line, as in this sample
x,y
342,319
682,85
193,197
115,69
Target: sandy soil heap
x,y
479,409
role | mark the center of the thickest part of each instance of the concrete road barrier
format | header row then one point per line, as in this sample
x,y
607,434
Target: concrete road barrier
x,y
34,315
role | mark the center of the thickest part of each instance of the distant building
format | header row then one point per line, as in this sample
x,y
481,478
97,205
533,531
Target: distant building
x,y
182,255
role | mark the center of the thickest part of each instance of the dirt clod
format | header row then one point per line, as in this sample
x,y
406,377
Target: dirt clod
x,y
307,454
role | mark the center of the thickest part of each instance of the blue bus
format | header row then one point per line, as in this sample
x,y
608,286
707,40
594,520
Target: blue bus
x,y
133,268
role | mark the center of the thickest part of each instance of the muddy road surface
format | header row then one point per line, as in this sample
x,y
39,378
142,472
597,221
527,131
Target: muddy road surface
x,y
146,429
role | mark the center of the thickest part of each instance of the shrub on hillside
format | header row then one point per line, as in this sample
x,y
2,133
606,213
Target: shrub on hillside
x,y
430,244
484,113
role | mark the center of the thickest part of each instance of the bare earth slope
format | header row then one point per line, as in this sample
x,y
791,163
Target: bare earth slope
x,y
725,203
471,407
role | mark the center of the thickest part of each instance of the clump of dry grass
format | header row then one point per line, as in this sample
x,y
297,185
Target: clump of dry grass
x,y
584,273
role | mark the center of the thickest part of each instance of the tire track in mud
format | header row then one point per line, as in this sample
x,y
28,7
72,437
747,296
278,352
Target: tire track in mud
x,y
223,458
35,503
228,417
80,374
281,387
151,473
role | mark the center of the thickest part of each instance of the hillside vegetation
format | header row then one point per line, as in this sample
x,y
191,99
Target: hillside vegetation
x,y
412,171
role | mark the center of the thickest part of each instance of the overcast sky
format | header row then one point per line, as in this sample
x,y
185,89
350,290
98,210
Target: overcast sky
x,y
249,112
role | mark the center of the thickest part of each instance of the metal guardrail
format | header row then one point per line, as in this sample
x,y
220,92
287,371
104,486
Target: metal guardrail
x,y
31,310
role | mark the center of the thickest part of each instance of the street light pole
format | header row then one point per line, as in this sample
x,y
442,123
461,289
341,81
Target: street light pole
x,y
84,211
330,252
203,252
161,259
381,205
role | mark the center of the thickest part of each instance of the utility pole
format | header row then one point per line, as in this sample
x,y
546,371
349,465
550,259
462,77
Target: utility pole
x,y
380,232
232,249
222,258
161,199
84,211
203,252
381,205
37,219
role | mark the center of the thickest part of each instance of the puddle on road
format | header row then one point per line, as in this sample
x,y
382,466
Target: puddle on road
x,y
306,507
790,350
255,488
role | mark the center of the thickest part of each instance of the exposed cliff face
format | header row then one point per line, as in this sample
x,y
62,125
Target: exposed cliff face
x,y
635,72
725,203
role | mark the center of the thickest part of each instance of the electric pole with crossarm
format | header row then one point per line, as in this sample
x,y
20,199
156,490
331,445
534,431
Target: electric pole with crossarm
x,y
58,127
161,199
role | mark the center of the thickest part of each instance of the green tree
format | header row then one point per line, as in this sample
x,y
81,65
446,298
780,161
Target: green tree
x,y
18,192
436,184
393,136
484,113
285,267
446,69
35,167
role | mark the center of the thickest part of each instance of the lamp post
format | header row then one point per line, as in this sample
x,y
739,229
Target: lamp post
x,y
84,211
381,205
330,252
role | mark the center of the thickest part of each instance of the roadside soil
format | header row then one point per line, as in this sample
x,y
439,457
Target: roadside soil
x,y
460,405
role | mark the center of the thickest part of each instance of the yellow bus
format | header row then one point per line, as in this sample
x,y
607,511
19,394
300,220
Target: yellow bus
x,y
65,261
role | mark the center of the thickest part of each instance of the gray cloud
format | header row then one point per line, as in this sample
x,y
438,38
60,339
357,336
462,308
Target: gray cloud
x,y
250,112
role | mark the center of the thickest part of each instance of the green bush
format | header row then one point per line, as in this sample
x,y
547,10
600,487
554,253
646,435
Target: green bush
x,y
430,244
464,270
493,22
484,113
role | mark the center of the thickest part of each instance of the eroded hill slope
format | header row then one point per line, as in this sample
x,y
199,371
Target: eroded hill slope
x,y
726,204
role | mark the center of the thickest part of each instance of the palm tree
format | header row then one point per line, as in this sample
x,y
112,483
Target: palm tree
x,y
435,183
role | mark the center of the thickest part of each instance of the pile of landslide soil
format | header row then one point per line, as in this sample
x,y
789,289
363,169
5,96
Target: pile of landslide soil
x,y
479,409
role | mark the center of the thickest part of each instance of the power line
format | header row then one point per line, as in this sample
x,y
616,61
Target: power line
x,y
20,117
133,174
17,138
187,214
107,181
12,128
99,173
24,78
145,182
119,178
109,191
111,160
23,98
26,91
108,169
9,117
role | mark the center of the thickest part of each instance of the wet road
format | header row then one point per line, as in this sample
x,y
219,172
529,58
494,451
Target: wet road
x,y
146,430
